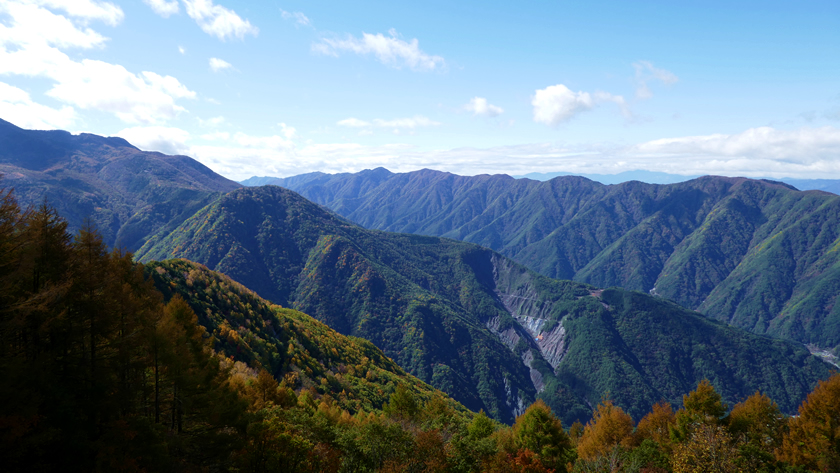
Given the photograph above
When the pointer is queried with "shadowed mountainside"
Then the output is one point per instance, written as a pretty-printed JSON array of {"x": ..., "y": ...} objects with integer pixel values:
[{"x": 129, "y": 194}]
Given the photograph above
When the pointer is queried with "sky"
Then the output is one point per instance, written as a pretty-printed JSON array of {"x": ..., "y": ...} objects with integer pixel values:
[{"x": 267, "y": 88}]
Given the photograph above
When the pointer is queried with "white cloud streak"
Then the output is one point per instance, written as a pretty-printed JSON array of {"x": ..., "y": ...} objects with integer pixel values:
[
  {"x": 411, "y": 123},
  {"x": 164, "y": 8},
  {"x": 219, "y": 21},
  {"x": 758, "y": 152},
  {"x": 804, "y": 146},
  {"x": 217, "y": 64},
  {"x": 646, "y": 72},
  {"x": 86, "y": 10},
  {"x": 557, "y": 104},
  {"x": 389, "y": 50},
  {"x": 480, "y": 107},
  {"x": 298, "y": 17},
  {"x": 167, "y": 140}
]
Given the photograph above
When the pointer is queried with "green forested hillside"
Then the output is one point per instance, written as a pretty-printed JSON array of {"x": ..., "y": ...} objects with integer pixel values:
[
  {"x": 290, "y": 345},
  {"x": 130, "y": 195},
  {"x": 475, "y": 324},
  {"x": 755, "y": 254}
]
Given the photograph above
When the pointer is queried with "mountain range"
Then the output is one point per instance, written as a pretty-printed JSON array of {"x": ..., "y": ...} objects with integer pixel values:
[
  {"x": 461, "y": 317},
  {"x": 484, "y": 329},
  {"x": 756, "y": 254}
]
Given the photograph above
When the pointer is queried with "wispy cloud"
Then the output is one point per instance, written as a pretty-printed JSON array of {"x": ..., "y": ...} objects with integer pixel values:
[
  {"x": 395, "y": 124},
  {"x": 389, "y": 50},
  {"x": 219, "y": 21},
  {"x": 167, "y": 140},
  {"x": 298, "y": 17},
  {"x": 105, "y": 12},
  {"x": 164, "y": 8},
  {"x": 217, "y": 65},
  {"x": 480, "y": 107},
  {"x": 803, "y": 146},
  {"x": 645, "y": 73}
]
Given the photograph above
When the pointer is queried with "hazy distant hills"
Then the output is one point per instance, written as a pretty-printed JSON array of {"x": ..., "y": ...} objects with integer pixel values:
[
  {"x": 757, "y": 254},
  {"x": 652, "y": 177},
  {"x": 474, "y": 323},
  {"x": 129, "y": 194}
]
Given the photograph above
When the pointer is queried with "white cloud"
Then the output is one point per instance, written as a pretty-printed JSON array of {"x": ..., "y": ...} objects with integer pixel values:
[
  {"x": 182, "y": 50},
  {"x": 32, "y": 25},
  {"x": 803, "y": 146},
  {"x": 300, "y": 18},
  {"x": 646, "y": 72},
  {"x": 480, "y": 107},
  {"x": 218, "y": 21},
  {"x": 411, "y": 123},
  {"x": 759, "y": 152},
  {"x": 273, "y": 142},
  {"x": 166, "y": 140},
  {"x": 31, "y": 43},
  {"x": 389, "y": 50},
  {"x": 164, "y": 8},
  {"x": 353, "y": 123},
  {"x": 217, "y": 64},
  {"x": 106, "y": 12},
  {"x": 17, "y": 107},
  {"x": 145, "y": 98},
  {"x": 216, "y": 135},
  {"x": 557, "y": 104},
  {"x": 215, "y": 121},
  {"x": 288, "y": 131}
]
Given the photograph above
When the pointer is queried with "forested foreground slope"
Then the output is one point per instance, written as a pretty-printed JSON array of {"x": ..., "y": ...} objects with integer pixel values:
[
  {"x": 129, "y": 194},
  {"x": 103, "y": 371},
  {"x": 757, "y": 254},
  {"x": 476, "y": 325},
  {"x": 290, "y": 345}
]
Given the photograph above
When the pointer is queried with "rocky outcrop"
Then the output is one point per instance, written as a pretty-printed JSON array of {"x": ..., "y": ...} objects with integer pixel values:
[{"x": 519, "y": 297}]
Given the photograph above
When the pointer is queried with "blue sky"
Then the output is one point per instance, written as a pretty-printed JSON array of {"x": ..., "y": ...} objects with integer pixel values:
[{"x": 283, "y": 88}]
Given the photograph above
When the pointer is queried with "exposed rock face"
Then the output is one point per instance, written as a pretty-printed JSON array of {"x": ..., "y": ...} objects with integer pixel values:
[{"x": 531, "y": 314}]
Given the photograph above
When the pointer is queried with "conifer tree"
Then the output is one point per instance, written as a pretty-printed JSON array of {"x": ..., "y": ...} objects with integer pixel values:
[
  {"x": 814, "y": 437},
  {"x": 610, "y": 427}
]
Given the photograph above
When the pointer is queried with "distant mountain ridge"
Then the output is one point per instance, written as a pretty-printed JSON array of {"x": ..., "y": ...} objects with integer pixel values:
[
  {"x": 648, "y": 177},
  {"x": 473, "y": 323},
  {"x": 129, "y": 194},
  {"x": 758, "y": 254}
]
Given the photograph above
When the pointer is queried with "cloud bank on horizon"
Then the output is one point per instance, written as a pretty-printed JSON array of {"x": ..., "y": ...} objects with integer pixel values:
[{"x": 463, "y": 88}]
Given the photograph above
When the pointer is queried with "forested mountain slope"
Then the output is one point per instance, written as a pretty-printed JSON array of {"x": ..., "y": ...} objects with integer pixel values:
[
  {"x": 129, "y": 194},
  {"x": 756, "y": 254},
  {"x": 475, "y": 324}
]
